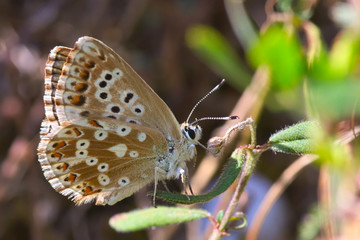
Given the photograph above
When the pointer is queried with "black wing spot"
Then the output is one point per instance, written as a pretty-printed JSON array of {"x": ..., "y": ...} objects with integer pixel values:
[
  {"x": 108, "y": 76},
  {"x": 128, "y": 97},
  {"x": 103, "y": 95},
  {"x": 115, "y": 109},
  {"x": 102, "y": 84},
  {"x": 84, "y": 113}
]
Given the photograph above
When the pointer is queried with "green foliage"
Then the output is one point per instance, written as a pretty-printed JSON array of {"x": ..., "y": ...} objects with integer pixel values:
[
  {"x": 150, "y": 217},
  {"x": 219, "y": 216},
  {"x": 334, "y": 78},
  {"x": 340, "y": 63},
  {"x": 297, "y": 138},
  {"x": 239, "y": 216},
  {"x": 280, "y": 50},
  {"x": 336, "y": 100},
  {"x": 331, "y": 153},
  {"x": 310, "y": 228},
  {"x": 345, "y": 54},
  {"x": 228, "y": 176},
  {"x": 211, "y": 47}
]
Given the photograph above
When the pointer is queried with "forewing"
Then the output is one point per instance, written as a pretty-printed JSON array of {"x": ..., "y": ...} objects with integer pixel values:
[
  {"x": 102, "y": 159},
  {"x": 92, "y": 80}
]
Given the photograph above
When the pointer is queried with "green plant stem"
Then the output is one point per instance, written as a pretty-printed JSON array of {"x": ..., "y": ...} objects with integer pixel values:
[
  {"x": 252, "y": 127},
  {"x": 249, "y": 158},
  {"x": 241, "y": 23},
  {"x": 248, "y": 166}
]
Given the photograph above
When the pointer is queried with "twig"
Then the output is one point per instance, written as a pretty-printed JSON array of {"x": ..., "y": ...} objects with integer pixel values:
[{"x": 249, "y": 159}]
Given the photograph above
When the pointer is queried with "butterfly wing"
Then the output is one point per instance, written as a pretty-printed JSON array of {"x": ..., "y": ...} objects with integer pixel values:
[
  {"x": 90, "y": 92},
  {"x": 100, "y": 159},
  {"x": 92, "y": 80}
]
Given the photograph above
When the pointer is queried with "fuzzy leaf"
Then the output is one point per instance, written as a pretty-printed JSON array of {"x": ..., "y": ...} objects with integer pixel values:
[
  {"x": 231, "y": 171},
  {"x": 295, "y": 139},
  {"x": 297, "y": 146},
  {"x": 150, "y": 217}
]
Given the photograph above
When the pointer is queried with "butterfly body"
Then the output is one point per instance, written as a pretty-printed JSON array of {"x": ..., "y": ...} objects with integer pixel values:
[{"x": 106, "y": 133}]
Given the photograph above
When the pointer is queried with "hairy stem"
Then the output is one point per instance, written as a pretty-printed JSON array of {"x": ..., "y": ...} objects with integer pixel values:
[{"x": 249, "y": 159}]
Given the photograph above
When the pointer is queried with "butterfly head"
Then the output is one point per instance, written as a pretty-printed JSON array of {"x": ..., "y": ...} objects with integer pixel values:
[{"x": 191, "y": 132}]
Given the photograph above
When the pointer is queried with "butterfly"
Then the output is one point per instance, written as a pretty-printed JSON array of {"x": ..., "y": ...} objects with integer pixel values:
[{"x": 106, "y": 133}]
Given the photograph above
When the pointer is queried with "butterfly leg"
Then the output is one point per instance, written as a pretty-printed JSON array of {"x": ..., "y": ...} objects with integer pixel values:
[
  {"x": 183, "y": 172},
  {"x": 165, "y": 185},
  {"x": 187, "y": 180},
  {"x": 155, "y": 185},
  {"x": 191, "y": 191}
]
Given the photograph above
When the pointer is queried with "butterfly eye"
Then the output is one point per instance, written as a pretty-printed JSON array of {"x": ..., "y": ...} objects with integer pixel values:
[{"x": 190, "y": 133}]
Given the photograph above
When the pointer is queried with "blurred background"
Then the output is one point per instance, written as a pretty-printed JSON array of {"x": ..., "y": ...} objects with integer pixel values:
[{"x": 278, "y": 58}]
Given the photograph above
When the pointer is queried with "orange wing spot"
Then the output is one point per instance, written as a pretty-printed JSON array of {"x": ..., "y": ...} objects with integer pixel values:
[
  {"x": 68, "y": 132},
  {"x": 95, "y": 123},
  {"x": 64, "y": 166},
  {"x": 89, "y": 190},
  {"x": 57, "y": 102},
  {"x": 78, "y": 100},
  {"x": 90, "y": 64},
  {"x": 56, "y": 155},
  {"x": 58, "y": 145},
  {"x": 64, "y": 72},
  {"x": 77, "y": 131},
  {"x": 71, "y": 178},
  {"x": 81, "y": 87},
  {"x": 84, "y": 75}
]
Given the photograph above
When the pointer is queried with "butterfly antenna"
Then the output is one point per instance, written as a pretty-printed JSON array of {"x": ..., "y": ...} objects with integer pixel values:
[
  {"x": 214, "y": 118},
  {"x": 213, "y": 90}
]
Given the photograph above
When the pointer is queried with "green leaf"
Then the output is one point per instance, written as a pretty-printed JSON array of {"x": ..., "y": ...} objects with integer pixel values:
[
  {"x": 239, "y": 216},
  {"x": 212, "y": 48},
  {"x": 297, "y": 146},
  {"x": 219, "y": 216},
  {"x": 315, "y": 220},
  {"x": 231, "y": 171},
  {"x": 340, "y": 63},
  {"x": 331, "y": 153},
  {"x": 150, "y": 217},
  {"x": 295, "y": 139},
  {"x": 337, "y": 100},
  {"x": 345, "y": 54},
  {"x": 280, "y": 50}
]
